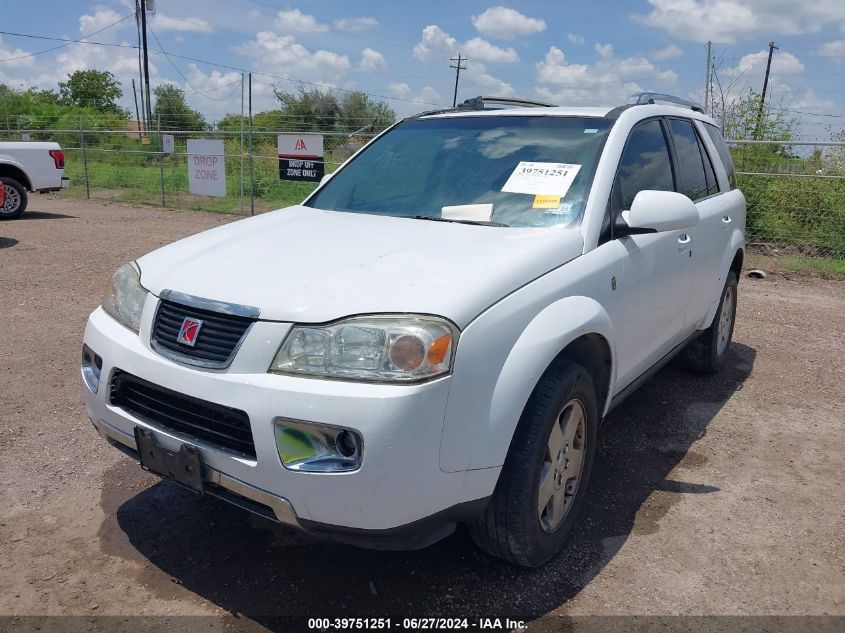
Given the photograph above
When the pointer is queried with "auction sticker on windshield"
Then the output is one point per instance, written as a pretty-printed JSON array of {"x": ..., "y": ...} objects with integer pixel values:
[{"x": 541, "y": 178}]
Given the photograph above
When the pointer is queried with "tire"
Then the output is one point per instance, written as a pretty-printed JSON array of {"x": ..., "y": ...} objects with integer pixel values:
[
  {"x": 706, "y": 354},
  {"x": 16, "y": 199},
  {"x": 513, "y": 526}
]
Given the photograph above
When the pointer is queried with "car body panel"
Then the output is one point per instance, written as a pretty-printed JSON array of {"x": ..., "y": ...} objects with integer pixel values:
[
  {"x": 312, "y": 266},
  {"x": 34, "y": 160}
]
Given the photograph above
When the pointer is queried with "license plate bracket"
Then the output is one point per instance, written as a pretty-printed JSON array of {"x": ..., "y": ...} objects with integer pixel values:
[{"x": 184, "y": 467}]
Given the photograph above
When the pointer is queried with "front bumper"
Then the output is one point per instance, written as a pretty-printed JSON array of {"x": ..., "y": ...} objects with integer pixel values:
[{"x": 399, "y": 487}]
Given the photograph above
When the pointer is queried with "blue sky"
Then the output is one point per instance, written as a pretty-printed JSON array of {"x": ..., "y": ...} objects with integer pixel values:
[{"x": 566, "y": 52}]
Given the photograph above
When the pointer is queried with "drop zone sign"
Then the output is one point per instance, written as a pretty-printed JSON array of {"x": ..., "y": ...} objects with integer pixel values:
[
  {"x": 301, "y": 157},
  {"x": 206, "y": 168}
]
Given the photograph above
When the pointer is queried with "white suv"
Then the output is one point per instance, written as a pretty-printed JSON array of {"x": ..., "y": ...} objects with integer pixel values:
[{"x": 435, "y": 334}]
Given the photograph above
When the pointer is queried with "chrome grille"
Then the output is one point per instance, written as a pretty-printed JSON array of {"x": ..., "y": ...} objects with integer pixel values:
[{"x": 218, "y": 339}]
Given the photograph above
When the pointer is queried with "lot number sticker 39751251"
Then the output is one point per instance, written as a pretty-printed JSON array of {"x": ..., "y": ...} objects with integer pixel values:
[{"x": 541, "y": 178}]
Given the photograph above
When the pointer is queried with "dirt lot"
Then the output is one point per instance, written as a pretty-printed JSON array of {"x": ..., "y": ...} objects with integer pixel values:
[{"x": 710, "y": 496}]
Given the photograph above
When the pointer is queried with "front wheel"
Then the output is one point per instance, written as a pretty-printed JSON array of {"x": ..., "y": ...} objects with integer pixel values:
[
  {"x": 544, "y": 479},
  {"x": 16, "y": 199},
  {"x": 706, "y": 354}
]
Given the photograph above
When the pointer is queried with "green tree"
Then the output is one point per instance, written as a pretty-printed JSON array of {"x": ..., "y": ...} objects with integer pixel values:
[
  {"x": 173, "y": 112},
  {"x": 359, "y": 112},
  {"x": 320, "y": 110},
  {"x": 94, "y": 89}
]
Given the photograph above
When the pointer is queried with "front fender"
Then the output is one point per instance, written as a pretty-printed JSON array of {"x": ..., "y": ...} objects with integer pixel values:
[{"x": 485, "y": 405}]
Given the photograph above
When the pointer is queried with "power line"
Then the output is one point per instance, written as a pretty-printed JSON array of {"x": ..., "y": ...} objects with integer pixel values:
[
  {"x": 218, "y": 65},
  {"x": 69, "y": 42}
]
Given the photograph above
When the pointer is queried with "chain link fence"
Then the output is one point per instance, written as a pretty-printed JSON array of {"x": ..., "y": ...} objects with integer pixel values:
[
  {"x": 128, "y": 166},
  {"x": 795, "y": 190}
]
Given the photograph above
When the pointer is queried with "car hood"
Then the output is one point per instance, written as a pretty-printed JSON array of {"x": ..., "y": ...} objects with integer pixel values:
[{"x": 310, "y": 266}]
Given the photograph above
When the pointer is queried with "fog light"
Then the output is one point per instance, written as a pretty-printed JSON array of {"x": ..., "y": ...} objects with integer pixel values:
[
  {"x": 92, "y": 365},
  {"x": 317, "y": 448}
]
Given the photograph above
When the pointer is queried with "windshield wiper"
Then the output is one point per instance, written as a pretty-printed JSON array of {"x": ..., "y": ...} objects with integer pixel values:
[{"x": 436, "y": 218}]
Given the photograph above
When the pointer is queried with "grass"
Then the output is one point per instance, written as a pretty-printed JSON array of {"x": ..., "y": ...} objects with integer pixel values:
[
  {"x": 824, "y": 267},
  {"x": 135, "y": 180}
]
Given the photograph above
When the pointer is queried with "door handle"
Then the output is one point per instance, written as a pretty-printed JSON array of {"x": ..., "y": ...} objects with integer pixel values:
[
  {"x": 726, "y": 219},
  {"x": 684, "y": 239}
]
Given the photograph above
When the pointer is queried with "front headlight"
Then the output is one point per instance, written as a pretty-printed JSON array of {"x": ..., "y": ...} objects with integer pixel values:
[
  {"x": 125, "y": 298},
  {"x": 375, "y": 348}
]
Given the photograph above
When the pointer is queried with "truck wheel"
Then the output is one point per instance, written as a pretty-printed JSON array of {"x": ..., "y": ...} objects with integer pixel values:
[
  {"x": 544, "y": 479},
  {"x": 706, "y": 354},
  {"x": 16, "y": 199}
]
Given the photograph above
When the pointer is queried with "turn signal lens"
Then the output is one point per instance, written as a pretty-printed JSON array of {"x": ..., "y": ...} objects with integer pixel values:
[{"x": 439, "y": 349}]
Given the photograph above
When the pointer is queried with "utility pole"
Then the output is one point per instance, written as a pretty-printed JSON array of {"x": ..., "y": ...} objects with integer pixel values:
[
  {"x": 772, "y": 49},
  {"x": 137, "y": 119},
  {"x": 142, "y": 120},
  {"x": 146, "y": 59},
  {"x": 709, "y": 77},
  {"x": 458, "y": 68}
]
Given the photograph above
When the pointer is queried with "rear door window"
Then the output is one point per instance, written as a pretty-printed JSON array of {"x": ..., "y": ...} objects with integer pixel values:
[
  {"x": 723, "y": 151},
  {"x": 693, "y": 176},
  {"x": 645, "y": 163}
]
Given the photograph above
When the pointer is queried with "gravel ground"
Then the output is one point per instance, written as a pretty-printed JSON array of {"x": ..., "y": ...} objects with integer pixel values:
[{"x": 711, "y": 496}]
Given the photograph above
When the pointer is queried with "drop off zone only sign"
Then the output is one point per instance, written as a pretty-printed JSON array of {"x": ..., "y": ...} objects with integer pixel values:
[
  {"x": 206, "y": 167},
  {"x": 301, "y": 157}
]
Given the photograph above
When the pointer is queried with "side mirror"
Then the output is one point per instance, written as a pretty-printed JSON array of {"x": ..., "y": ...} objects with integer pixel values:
[{"x": 658, "y": 211}]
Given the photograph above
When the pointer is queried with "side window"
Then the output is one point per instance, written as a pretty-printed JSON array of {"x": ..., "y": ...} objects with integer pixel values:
[
  {"x": 693, "y": 177},
  {"x": 645, "y": 163},
  {"x": 723, "y": 151}
]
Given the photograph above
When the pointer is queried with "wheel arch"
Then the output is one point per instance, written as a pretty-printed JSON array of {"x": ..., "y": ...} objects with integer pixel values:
[
  {"x": 10, "y": 170},
  {"x": 574, "y": 328}
]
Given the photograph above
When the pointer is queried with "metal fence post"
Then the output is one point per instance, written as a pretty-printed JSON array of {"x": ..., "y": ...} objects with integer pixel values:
[
  {"x": 251, "y": 165},
  {"x": 160, "y": 158},
  {"x": 84, "y": 160},
  {"x": 242, "y": 147}
]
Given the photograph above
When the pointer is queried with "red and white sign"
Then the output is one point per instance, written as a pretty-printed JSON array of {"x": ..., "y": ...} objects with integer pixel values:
[
  {"x": 206, "y": 167},
  {"x": 301, "y": 146},
  {"x": 301, "y": 157}
]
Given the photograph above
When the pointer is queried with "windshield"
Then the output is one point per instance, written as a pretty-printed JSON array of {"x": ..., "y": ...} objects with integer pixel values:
[{"x": 513, "y": 170}]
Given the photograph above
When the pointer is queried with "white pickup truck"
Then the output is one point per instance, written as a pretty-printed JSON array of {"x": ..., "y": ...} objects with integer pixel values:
[
  {"x": 434, "y": 335},
  {"x": 29, "y": 166}
]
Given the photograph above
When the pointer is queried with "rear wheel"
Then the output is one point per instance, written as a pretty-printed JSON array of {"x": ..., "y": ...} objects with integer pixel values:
[
  {"x": 544, "y": 478},
  {"x": 707, "y": 353},
  {"x": 16, "y": 199}
]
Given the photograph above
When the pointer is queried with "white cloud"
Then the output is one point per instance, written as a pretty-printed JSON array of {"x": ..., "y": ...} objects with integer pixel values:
[
  {"x": 162, "y": 22},
  {"x": 725, "y": 21},
  {"x": 835, "y": 50},
  {"x": 102, "y": 17},
  {"x": 400, "y": 89},
  {"x": 283, "y": 51},
  {"x": 435, "y": 43},
  {"x": 667, "y": 52},
  {"x": 296, "y": 21},
  {"x": 783, "y": 63},
  {"x": 481, "y": 50},
  {"x": 610, "y": 80},
  {"x": 477, "y": 81},
  {"x": 372, "y": 61},
  {"x": 505, "y": 23},
  {"x": 574, "y": 39},
  {"x": 429, "y": 96},
  {"x": 8, "y": 55},
  {"x": 355, "y": 24}
]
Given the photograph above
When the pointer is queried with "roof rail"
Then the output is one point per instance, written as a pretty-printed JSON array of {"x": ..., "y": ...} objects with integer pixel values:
[
  {"x": 653, "y": 97},
  {"x": 482, "y": 103}
]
